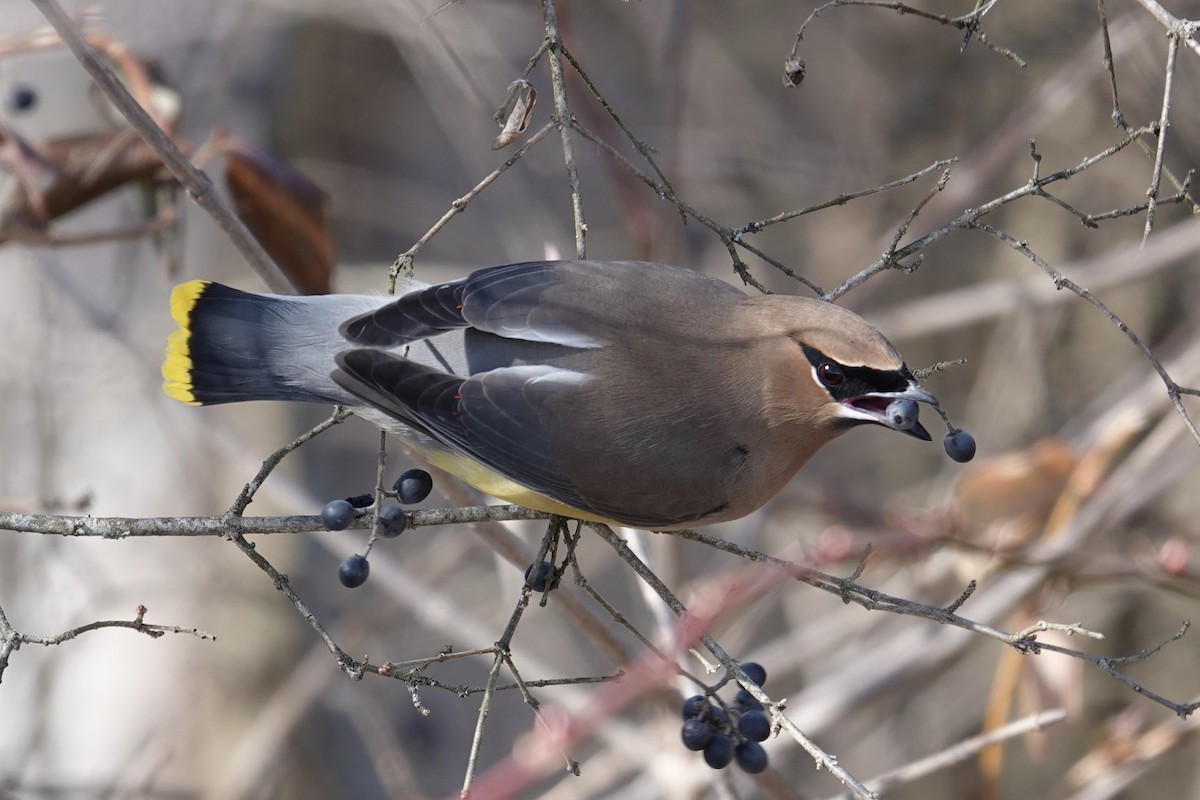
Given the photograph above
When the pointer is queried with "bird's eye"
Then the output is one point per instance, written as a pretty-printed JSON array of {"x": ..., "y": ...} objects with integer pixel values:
[
  {"x": 830, "y": 374},
  {"x": 21, "y": 99}
]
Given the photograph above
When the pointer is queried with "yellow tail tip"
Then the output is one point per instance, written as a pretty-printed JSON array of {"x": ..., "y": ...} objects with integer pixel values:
[
  {"x": 183, "y": 300},
  {"x": 177, "y": 365}
]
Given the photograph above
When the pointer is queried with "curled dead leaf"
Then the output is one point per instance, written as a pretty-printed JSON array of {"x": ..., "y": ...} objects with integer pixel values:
[{"x": 516, "y": 112}]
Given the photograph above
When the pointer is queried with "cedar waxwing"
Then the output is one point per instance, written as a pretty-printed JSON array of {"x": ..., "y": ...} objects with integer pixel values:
[{"x": 626, "y": 392}]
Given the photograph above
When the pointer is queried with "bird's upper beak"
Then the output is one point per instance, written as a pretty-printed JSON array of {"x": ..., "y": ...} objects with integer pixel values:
[{"x": 874, "y": 407}]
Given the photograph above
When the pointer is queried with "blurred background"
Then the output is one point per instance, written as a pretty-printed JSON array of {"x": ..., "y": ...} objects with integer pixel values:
[{"x": 1081, "y": 506}]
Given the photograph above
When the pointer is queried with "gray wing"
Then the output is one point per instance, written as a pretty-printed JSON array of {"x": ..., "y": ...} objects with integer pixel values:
[
  {"x": 499, "y": 418},
  {"x": 519, "y": 301}
]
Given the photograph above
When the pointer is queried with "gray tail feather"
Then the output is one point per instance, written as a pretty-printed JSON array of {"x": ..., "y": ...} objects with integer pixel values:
[{"x": 234, "y": 346}]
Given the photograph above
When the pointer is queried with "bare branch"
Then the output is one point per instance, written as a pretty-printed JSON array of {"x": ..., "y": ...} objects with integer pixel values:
[
  {"x": 1164, "y": 123},
  {"x": 563, "y": 120}
]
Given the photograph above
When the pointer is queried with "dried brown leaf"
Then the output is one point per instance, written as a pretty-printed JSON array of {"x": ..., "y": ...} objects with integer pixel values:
[
  {"x": 286, "y": 213},
  {"x": 522, "y": 96}
]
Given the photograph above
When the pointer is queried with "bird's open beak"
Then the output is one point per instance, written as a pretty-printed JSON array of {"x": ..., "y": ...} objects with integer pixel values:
[{"x": 895, "y": 410}]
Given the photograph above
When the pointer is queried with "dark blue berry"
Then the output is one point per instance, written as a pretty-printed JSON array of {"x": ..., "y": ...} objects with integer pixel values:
[
  {"x": 392, "y": 521},
  {"x": 715, "y": 716},
  {"x": 538, "y": 576},
  {"x": 21, "y": 99},
  {"x": 696, "y": 734},
  {"x": 754, "y": 726},
  {"x": 361, "y": 500},
  {"x": 747, "y": 701},
  {"x": 694, "y": 706},
  {"x": 719, "y": 751},
  {"x": 353, "y": 571},
  {"x": 751, "y": 757},
  {"x": 902, "y": 413},
  {"x": 755, "y": 672},
  {"x": 337, "y": 515},
  {"x": 959, "y": 445},
  {"x": 413, "y": 486}
]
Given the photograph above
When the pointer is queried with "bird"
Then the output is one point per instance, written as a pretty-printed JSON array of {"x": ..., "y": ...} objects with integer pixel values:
[{"x": 623, "y": 392}]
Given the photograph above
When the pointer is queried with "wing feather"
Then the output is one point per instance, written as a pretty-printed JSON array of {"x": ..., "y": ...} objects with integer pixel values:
[
  {"x": 530, "y": 301},
  {"x": 498, "y": 418}
]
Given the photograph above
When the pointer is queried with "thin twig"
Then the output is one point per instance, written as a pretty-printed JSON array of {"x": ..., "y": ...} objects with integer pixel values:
[
  {"x": 563, "y": 119},
  {"x": 1164, "y": 122},
  {"x": 11, "y": 640},
  {"x": 502, "y": 656},
  {"x": 641, "y": 147},
  {"x": 969, "y": 22},
  {"x": 1174, "y": 390},
  {"x": 1109, "y": 666},
  {"x": 484, "y": 709},
  {"x": 377, "y": 506},
  {"x": 246, "y": 497},
  {"x": 403, "y": 262},
  {"x": 572, "y": 764},
  {"x": 346, "y": 663},
  {"x": 726, "y": 234},
  {"x": 1118, "y": 116},
  {"x": 841, "y": 199},
  {"x": 624, "y": 622}
]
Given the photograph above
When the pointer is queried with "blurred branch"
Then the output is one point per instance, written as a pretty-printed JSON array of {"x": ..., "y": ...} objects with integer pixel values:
[
  {"x": 960, "y": 752},
  {"x": 194, "y": 180},
  {"x": 1123, "y": 756}
]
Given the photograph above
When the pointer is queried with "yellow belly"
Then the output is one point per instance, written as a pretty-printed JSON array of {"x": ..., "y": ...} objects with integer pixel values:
[{"x": 495, "y": 484}]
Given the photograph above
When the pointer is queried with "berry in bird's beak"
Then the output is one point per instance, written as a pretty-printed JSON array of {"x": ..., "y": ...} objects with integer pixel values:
[{"x": 895, "y": 410}]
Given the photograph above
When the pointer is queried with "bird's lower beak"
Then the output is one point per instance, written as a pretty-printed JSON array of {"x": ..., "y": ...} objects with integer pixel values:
[{"x": 895, "y": 410}]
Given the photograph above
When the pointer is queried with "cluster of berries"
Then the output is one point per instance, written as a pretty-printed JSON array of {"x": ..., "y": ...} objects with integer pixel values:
[
  {"x": 337, "y": 515},
  {"x": 729, "y": 733}
]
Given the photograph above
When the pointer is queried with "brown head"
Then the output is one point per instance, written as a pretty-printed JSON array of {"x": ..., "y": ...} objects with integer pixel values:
[{"x": 831, "y": 370}]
